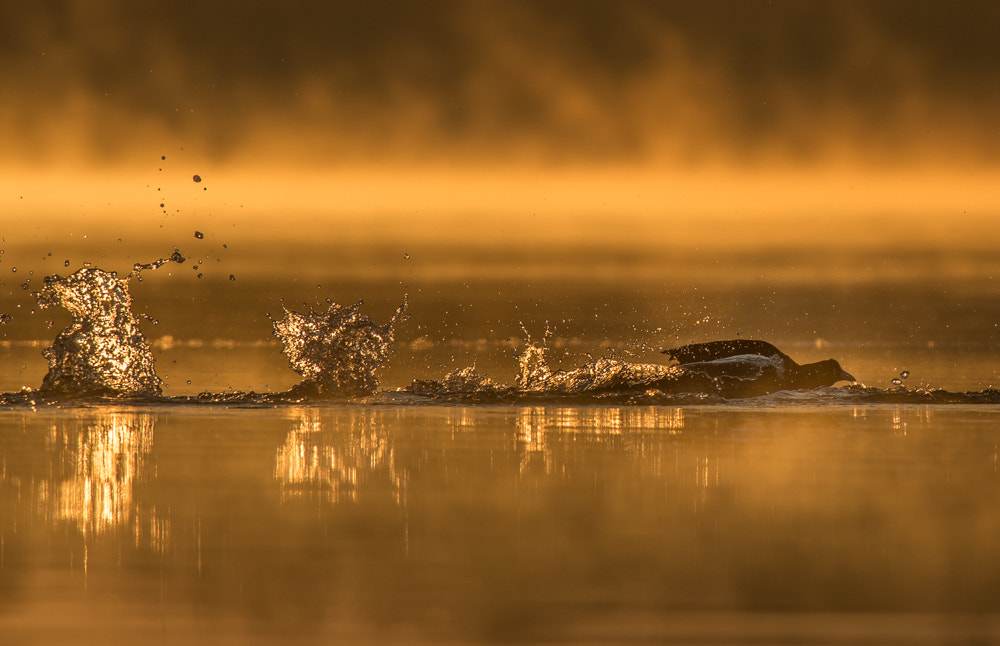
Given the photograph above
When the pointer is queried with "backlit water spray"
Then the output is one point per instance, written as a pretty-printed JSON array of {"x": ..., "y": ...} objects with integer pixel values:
[
  {"x": 103, "y": 351},
  {"x": 337, "y": 351}
]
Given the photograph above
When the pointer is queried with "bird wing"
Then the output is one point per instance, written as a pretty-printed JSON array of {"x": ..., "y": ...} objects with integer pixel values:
[{"x": 714, "y": 350}]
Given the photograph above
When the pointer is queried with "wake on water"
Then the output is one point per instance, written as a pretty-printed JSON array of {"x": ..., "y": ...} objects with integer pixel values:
[{"x": 103, "y": 355}]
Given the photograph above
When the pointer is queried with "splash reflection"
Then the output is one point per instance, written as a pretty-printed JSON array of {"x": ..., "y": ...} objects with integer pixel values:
[
  {"x": 337, "y": 458},
  {"x": 534, "y": 425},
  {"x": 96, "y": 466},
  {"x": 498, "y": 524}
]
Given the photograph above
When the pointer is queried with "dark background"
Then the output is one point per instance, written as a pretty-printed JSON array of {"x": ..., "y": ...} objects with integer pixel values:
[{"x": 744, "y": 82}]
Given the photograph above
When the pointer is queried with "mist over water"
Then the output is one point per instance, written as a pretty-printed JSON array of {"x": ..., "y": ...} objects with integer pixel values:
[{"x": 553, "y": 81}]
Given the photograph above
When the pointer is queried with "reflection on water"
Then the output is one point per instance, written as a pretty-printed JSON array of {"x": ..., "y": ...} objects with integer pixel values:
[
  {"x": 107, "y": 458},
  {"x": 478, "y": 524},
  {"x": 535, "y": 424},
  {"x": 336, "y": 462},
  {"x": 90, "y": 467}
]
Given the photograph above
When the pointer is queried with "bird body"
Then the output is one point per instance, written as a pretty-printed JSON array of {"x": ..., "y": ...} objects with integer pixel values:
[{"x": 747, "y": 368}]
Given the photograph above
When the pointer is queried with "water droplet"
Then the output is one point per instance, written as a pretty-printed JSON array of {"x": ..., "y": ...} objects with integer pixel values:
[
  {"x": 904, "y": 374},
  {"x": 897, "y": 382},
  {"x": 161, "y": 205},
  {"x": 13, "y": 270},
  {"x": 199, "y": 275},
  {"x": 26, "y": 285},
  {"x": 197, "y": 178},
  {"x": 66, "y": 263},
  {"x": 231, "y": 277},
  {"x": 199, "y": 235},
  {"x": 406, "y": 256},
  {"x": 189, "y": 382},
  {"x": 164, "y": 157}
]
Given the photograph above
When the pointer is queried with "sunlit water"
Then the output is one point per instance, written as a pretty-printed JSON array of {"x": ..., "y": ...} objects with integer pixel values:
[
  {"x": 454, "y": 476},
  {"x": 575, "y": 524}
]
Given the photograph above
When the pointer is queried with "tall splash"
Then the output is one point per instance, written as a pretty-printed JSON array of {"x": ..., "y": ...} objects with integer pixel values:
[
  {"x": 103, "y": 351},
  {"x": 337, "y": 351}
]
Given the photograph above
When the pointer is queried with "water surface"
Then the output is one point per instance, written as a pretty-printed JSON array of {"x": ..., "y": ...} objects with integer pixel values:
[
  {"x": 525, "y": 524},
  {"x": 863, "y": 513}
]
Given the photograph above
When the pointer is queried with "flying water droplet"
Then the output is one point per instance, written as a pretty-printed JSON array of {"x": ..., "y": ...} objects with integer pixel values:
[{"x": 904, "y": 374}]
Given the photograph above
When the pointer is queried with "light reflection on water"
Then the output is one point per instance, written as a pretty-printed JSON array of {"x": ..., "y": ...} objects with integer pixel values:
[
  {"x": 94, "y": 465},
  {"x": 107, "y": 458},
  {"x": 335, "y": 462},
  {"x": 524, "y": 524},
  {"x": 535, "y": 424}
]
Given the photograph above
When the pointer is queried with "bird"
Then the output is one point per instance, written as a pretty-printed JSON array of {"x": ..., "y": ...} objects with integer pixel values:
[{"x": 748, "y": 368}]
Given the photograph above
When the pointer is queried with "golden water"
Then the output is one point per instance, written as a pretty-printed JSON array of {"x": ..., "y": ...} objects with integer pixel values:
[{"x": 585, "y": 524}]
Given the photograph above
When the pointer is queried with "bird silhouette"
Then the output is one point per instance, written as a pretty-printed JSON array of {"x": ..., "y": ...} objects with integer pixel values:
[{"x": 748, "y": 368}]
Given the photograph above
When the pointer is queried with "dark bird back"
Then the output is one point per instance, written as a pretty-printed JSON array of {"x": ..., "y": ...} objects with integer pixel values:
[
  {"x": 747, "y": 368},
  {"x": 721, "y": 349}
]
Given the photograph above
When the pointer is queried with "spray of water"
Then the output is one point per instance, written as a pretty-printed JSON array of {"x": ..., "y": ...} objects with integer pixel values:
[
  {"x": 103, "y": 351},
  {"x": 338, "y": 351}
]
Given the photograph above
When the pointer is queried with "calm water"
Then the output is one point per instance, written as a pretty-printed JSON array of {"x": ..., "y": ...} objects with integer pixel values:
[{"x": 585, "y": 524}]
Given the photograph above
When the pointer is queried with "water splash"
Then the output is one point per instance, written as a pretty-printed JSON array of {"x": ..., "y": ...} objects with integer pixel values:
[
  {"x": 139, "y": 267},
  {"x": 604, "y": 375},
  {"x": 604, "y": 378},
  {"x": 464, "y": 383},
  {"x": 338, "y": 351},
  {"x": 103, "y": 351}
]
